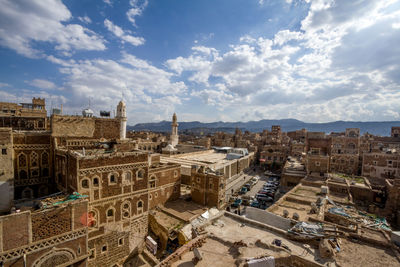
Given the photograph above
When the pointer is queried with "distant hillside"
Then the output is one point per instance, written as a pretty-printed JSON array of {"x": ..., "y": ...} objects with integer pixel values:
[{"x": 376, "y": 128}]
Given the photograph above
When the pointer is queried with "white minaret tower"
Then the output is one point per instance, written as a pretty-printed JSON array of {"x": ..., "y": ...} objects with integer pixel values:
[
  {"x": 121, "y": 114},
  {"x": 174, "y": 132}
]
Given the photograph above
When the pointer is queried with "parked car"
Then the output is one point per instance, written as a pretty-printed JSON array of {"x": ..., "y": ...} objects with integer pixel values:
[
  {"x": 255, "y": 204},
  {"x": 264, "y": 198},
  {"x": 248, "y": 186},
  {"x": 268, "y": 189},
  {"x": 237, "y": 203},
  {"x": 243, "y": 190},
  {"x": 268, "y": 193}
]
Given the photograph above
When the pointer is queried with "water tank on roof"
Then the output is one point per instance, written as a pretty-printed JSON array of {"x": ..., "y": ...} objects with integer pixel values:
[
  {"x": 104, "y": 113},
  {"x": 87, "y": 112}
]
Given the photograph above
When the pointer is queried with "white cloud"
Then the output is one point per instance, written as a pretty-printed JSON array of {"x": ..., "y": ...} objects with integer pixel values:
[
  {"x": 147, "y": 89},
  {"x": 285, "y": 36},
  {"x": 198, "y": 63},
  {"x": 42, "y": 84},
  {"x": 26, "y": 22},
  {"x": 108, "y": 2},
  {"x": 137, "y": 8},
  {"x": 117, "y": 31},
  {"x": 342, "y": 65},
  {"x": 85, "y": 19}
]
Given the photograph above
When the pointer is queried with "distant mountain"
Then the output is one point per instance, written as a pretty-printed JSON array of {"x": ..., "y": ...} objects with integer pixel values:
[{"x": 376, "y": 127}]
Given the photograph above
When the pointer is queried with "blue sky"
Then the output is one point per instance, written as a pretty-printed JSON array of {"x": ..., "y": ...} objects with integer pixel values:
[{"x": 207, "y": 60}]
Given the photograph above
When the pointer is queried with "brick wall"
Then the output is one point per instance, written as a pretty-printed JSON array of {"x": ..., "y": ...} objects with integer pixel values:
[{"x": 51, "y": 222}]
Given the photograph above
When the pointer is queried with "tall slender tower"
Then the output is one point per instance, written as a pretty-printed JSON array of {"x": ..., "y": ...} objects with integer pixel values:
[
  {"x": 121, "y": 114},
  {"x": 174, "y": 132}
]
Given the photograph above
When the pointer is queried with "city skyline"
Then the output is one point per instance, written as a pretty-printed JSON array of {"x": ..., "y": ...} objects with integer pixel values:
[{"x": 209, "y": 61}]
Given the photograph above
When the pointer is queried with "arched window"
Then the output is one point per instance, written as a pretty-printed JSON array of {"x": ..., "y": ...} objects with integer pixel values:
[
  {"x": 45, "y": 158},
  {"x": 23, "y": 175},
  {"x": 140, "y": 207},
  {"x": 34, "y": 159},
  {"x": 85, "y": 183},
  {"x": 126, "y": 209},
  {"x": 152, "y": 181},
  {"x": 92, "y": 218},
  {"x": 95, "y": 182},
  {"x": 110, "y": 213},
  {"x": 112, "y": 178},
  {"x": 140, "y": 174},
  {"x": 22, "y": 160},
  {"x": 127, "y": 177}
]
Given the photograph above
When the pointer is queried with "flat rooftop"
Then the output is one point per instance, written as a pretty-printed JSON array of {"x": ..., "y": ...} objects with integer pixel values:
[
  {"x": 184, "y": 210},
  {"x": 231, "y": 241},
  {"x": 208, "y": 158}
]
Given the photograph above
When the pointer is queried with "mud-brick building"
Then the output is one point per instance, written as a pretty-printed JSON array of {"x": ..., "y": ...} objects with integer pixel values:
[
  {"x": 47, "y": 237},
  {"x": 25, "y": 165},
  {"x": 381, "y": 165},
  {"x": 24, "y": 116},
  {"x": 345, "y": 152},
  {"x": 208, "y": 187},
  {"x": 33, "y": 163},
  {"x": 122, "y": 187}
]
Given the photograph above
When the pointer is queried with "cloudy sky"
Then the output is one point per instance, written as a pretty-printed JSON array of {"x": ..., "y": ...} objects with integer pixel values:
[{"x": 207, "y": 60}]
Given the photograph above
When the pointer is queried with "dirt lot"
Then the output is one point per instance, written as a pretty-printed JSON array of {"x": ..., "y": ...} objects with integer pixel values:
[{"x": 359, "y": 254}]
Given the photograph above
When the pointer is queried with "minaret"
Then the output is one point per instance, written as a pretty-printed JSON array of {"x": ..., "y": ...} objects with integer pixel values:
[
  {"x": 121, "y": 114},
  {"x": 174, "y": 132}
]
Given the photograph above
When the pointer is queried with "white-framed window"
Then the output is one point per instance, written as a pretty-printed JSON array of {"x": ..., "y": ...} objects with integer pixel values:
[
  {"x": 140, "y": 174},
  {"x": 317, "y": 163},
  {"x": 85, "y": 183},
  {"x": 113, "y": 178},
  {"x": 140, "y": 207},
  {"x": 126, "y": 209},
  {"x": 96, "y": 181},
  {"x": 110, "y": 214},
  {"x": 152, "y": 181},
  {"x": 93, "y": 218},
  {"x": 127, "y": 177}
]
